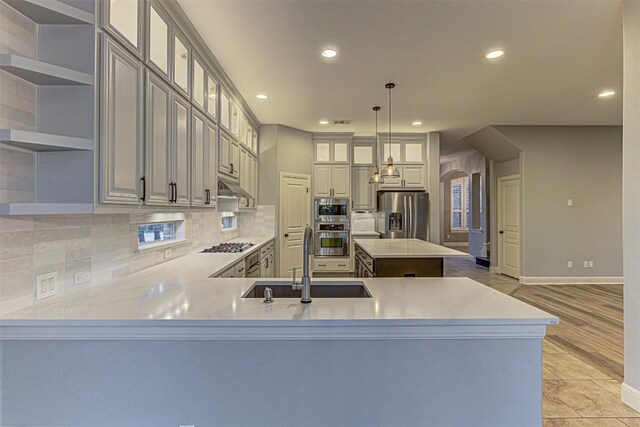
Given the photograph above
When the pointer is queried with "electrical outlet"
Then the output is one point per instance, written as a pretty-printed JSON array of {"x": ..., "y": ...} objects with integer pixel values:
[
  {"x": 80, "y": 277},
  {"x": 46, "y": 285},
  {"x": 569, "y": 202},
  {"x": 167, "y": 253},
  {"x": 590, "y": 264},
  {"x": 569, "y": 264},
  {"x": 586, "y": 264}
]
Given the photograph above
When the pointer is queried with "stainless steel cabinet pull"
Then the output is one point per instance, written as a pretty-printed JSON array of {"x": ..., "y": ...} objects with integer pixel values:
[{"x": 144, "y": 188}]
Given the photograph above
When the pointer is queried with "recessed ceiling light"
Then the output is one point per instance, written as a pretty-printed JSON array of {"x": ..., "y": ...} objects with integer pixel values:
[
  {"x": 262, "y": 96},
  {"x": 329, "y": 53},
  {"x": 324, "y": 122},
  {"x": 606, "y": 93},
  {"x": 496, "y": 53},
  {"x": 416, "y": 123}
]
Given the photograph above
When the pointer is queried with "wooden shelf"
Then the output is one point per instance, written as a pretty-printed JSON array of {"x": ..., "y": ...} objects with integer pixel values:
[
  {"x": 51, "y": 12},
  {"x": 37, "y": 141},
  {"x": 41, "y": 73},
  {"x": 45, "y": 208}
]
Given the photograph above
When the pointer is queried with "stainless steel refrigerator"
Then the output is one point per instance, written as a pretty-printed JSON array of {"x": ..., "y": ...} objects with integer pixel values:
[{"x": 403, "y": 215}]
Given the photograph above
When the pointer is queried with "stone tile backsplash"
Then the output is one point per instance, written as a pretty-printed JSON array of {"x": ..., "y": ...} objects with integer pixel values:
[{"x": 107, "y": 245}]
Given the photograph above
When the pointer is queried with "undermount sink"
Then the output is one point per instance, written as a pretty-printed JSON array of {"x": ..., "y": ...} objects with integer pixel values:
[{"x": 319, "y": 289}]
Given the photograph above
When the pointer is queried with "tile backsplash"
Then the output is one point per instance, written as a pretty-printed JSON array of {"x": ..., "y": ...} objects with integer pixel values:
[{"x": 106, "y": 245}]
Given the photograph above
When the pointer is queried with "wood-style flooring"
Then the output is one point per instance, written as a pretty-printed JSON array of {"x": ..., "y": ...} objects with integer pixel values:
[{"x": 583, "y": 355}]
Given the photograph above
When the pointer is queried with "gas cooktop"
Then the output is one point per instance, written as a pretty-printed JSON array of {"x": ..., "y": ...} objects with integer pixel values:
[{"x": 229, "y": 247}]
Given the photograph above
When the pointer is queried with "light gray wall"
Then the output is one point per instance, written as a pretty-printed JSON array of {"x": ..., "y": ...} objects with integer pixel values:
[
  {"x": 282, "y": 149},
  {"x": 631, "y": 182},
  {"x": 582, "y": 163}
]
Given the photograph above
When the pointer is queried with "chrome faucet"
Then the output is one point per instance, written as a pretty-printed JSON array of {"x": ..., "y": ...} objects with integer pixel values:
[{"x": 305, "y": 284}]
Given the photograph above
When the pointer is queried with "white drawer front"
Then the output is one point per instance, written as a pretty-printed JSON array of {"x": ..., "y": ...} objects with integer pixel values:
[{"x": 320, "y": 264}]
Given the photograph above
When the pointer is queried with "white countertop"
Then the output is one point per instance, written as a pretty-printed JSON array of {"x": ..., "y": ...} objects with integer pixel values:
[
  {"x": 406, "y": 248},
  {"x": 364, "y": 233},
  {"x": 177, "y": 301}
]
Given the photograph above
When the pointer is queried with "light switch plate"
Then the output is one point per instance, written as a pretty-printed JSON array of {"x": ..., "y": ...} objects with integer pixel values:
[
  {"x": 586, "y": 264},
  {"x": 46, "y": 285},
  {"x": 570, "y": 202},
  {"x": 569, "y": 264},
  {"x": 590, "y": 264}
]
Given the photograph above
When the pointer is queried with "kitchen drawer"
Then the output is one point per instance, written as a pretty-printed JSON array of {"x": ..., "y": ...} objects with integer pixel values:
[
  {"x": 240, "y": 269},
  {"x": 331, "y": 264},
  {"x": 264, "y": 251}
]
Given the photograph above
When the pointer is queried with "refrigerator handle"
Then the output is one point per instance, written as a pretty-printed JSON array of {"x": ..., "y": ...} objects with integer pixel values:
[
  {"x": 411, "y": 217},
  {"x": 405, "y": 219}
]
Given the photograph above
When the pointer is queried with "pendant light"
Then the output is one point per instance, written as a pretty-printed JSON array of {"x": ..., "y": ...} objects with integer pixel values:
[
  {"x": 390, "y": 171},
  {"x": 376, "y": 178}
]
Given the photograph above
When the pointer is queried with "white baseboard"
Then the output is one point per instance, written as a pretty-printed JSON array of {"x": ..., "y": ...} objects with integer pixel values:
[
  {"x": 15, "y": 304},
  {"x": 495, "y": 270},
  {"x": 631, "y": 396},
  {"x": 455, "y": 244},
  {"x": 600, "y": 280}
]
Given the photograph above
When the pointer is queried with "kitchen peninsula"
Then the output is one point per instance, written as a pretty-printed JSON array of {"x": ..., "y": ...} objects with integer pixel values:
[
  {"x": 171, "y": 346},
  {"x": 401, "y": 258}
]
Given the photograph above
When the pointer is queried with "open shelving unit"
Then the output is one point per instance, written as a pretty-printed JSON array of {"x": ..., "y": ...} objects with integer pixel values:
[
  {"x": 63, "y": 139},
  {"x": 41, "y": 73}
]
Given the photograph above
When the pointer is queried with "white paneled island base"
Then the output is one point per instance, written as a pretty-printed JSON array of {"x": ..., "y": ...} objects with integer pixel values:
[{"x": 434, "y": 351}]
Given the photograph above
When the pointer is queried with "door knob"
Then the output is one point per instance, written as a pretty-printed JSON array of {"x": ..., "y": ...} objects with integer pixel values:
[
  {"x": 501, "y": 232},
  {"x": 286, "y": 234}
]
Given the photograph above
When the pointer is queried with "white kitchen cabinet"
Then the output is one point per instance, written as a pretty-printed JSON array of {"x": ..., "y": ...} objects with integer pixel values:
[
  {"x": 199, "y": 174},
  {"x": 158, "y": 40},
  {"x": 123, "y": 20},
  {"x": 158, "y": 152},
  {"x": 363, "y": 194},
  {"x": 212, "y": 96},
  {"x": 331, "y": 152},
  {"x": 225, "y": 110},
  {"x": 403, "y": 152},
  {"x": 244, "y": 169},
  {"x": 122, "y": 130},
  {"x": 332, "y": 181},
  {"x": 180, "y": 63},
  {"x": 199, "y": 90},
  {"x": 234, "y": 116},
  {"x": 204, "y": 147},
  {"x": 253, "y": 167},
  {"x": 411, "y": 177},
  {"x": 242, "y": 130},
  {"x": 181, "y": 152},
  {"x": 211, "y": 153},
  {"x": 248, "y": 177},
  {"x": 229, "y": 154},
  {"x": 363, "y": 155},
  {"x": 254, "y": 144}
]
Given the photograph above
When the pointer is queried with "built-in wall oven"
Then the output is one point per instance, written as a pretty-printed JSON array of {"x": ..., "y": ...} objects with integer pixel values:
[
  {"x": 331, "y": 239},
  {"x": 331, "y": 210}
]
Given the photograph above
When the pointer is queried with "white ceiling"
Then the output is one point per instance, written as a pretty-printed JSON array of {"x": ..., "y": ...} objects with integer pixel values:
[{"x": 559, "y": 56}]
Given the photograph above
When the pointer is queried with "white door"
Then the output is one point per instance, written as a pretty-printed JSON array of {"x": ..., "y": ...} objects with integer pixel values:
[
  {"x": 295, "y": 205},
  {"x": 509, "y": 225}
]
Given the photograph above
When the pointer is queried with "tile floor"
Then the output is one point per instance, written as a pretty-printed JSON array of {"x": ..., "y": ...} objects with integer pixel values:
[{"x": 575, "y": 393}]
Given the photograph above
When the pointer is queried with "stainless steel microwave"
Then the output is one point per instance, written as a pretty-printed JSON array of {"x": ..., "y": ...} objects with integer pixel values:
[{"x": 331, "y": 210}]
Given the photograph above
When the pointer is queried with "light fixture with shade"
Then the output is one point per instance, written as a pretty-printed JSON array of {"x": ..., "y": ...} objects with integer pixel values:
[
  {"x": 376, "y": 178},
  {"x": 390, "y": 171}
]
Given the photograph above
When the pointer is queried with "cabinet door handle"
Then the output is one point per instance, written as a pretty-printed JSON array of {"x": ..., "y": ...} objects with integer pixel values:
[
  {"x": 206, "y": 196},
  {"x": 144, "y": 188},
  {"x": 231, "y": 167}
]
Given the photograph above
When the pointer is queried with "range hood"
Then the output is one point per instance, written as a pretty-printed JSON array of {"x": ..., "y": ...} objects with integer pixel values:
[{"x": 228, "y": 188}]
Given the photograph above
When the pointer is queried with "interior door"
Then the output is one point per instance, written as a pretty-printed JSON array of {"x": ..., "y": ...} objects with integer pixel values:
[
  {"x": 509, "y": 226},
  {"x": 295, "y": 205}
]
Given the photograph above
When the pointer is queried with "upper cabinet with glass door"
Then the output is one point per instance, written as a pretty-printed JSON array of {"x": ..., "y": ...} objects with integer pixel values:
[
  {"x": 212, "y": 96},
  {"x": 123, "y": 20},
  {"x": 158, "y": 44},
  {"x": 199, "y": 83},
  {"x": 235, "y": 120},
  {"x": 225, "y": 109},
  {"x": 363, "y": 151},
  {"x": 180, "y": 63},
  {"x": 331, "y": 151}
]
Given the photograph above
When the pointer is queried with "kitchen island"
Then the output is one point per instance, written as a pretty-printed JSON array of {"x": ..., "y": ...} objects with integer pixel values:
[
  {"x": 165, "y": 347},
  {"x": 401, "y": 258}
]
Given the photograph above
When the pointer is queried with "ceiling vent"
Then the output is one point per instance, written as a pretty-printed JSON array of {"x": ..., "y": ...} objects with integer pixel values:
[{"x": 342, "y": 122}]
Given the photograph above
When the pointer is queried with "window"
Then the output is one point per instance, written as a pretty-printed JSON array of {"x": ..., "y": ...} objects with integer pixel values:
[
  {"x": 459, "y": 204},
  {"x": 228, "y": 221},
  {"x": 150, "y": 234},
  {"x": 476, "y": 190}
]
